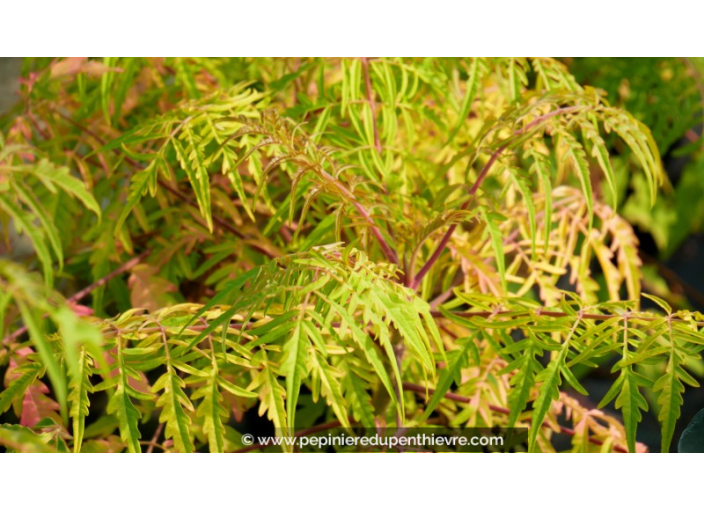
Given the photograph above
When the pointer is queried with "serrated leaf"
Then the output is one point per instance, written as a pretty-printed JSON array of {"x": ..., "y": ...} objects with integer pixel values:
[
  {"x": 212, "y": 412},
  {"x": 192, "y": 162},
  {"x": 140, "y": 184},
  {"x": 497, "y": 242},
  {"x": 357, "y": 397},
  {"x": 79, "y": 388},
  {"x": 22, "y": 377},
  {"x": 670, "y": 400},
  {"x": 25, "y": 223},
  {"x": 121, "y": 405},
  {"x": 457, "y": 361},
  {"x": 549, "y": 391},
  {"x": 294, "y": 368},
  {"x": 271, "y": 396},
  {"x": 330, "y": 387},
  {"x": 61, "y": 176},
  {"x": 174, "y": 403},
  {"x": 46, "y": 352}
]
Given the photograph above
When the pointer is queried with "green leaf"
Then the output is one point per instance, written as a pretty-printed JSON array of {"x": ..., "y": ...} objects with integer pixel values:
[
  {"x": 474, "y": 75},
  {"x": 549, "y": 391},
  {"x": 355, "y": 392},
  {"x": 235, "y": 390},
  {"x": 52, "y": 175},
  {"x": 75, "y": 333},
  {"x": 120, "y": 404},
  {"x": 229, "y": 169},
  {"x": 576, "y": 154},
  {"x": 172, "y": 401},
  {"x": 406, "y": 320},
  {"x": 367, "y": 346},
  {"x": 497, "y": 242},
  {"x": 50, "y": 229},
  {"x": 22, "y": 439},
  {"x": 25, "y": 223},
  {"x": 80, "y": 387},
  {"x": 330, "y": 387},
  {"x": 46, "y": 353},
  {"x": 629, "y": 400},
  {"x": 457, "y": 361},
  {"x": 516, "y": 79},
  {"x": 212, "y": 411},
  {"x": 271, "y": 396},
  {"x": 601, "y": 154},
  {"x": 670, "y": 401},
  {"x": 524, "y": 186},
  {"x": 141, "y": 183},
  {"x": 294, "y": 368},
  {"x": 18, "y": 385},
  {"x": 523, "y": 381},
  {"x": 192, "y": 161}
]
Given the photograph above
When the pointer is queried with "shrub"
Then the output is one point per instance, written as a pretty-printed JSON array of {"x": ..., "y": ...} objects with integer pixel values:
[{"x": 354, "y": 241}]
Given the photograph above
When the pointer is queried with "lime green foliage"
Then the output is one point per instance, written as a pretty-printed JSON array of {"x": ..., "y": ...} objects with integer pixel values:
[
  {"x": 666, "y": 95},
  {"x": 337, "y": 241}
]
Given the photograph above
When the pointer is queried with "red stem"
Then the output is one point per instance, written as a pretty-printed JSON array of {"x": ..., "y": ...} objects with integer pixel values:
[
  {"x": 388, "y": 250},
  {"x": 473, "y": 190}
]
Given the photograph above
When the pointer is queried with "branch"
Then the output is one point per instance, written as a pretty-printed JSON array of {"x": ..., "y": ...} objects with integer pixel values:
[
  {"x": 105, "y": 279},
  {"x": 421, "y": 390},
  {"x": 473, "y": 190},
  {"x": 388, "y": 250},
  {"x": 154, "y": 442}
]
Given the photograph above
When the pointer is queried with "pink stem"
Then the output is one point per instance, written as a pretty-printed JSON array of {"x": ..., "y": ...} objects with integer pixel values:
[{"x": 473, "y": 190}]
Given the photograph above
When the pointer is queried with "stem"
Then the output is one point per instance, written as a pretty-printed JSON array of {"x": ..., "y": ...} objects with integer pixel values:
[
  {"x": 388, "y": 250},
  {"x": 421, "y": 390},
  {"x": 105, "y": 279},
  {"x": 155, "y": 438},
  {"x": 473, "y": 190}
]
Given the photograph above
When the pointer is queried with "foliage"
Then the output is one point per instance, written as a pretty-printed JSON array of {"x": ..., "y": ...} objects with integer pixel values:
[
  {"x": 323, "y": 241},
  {"x": 665, "y": 94}
]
